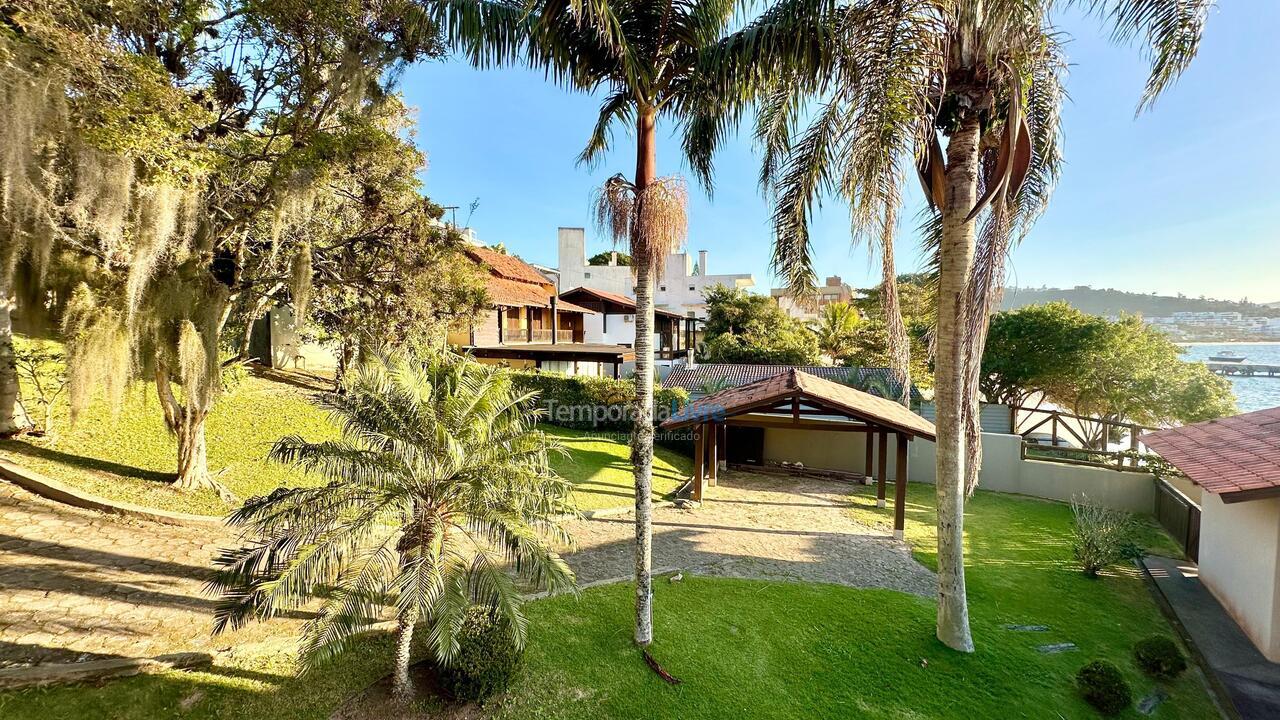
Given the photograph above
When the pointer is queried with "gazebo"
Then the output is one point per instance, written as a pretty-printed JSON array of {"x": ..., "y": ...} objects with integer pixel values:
[{"x": 796, "y": 400}]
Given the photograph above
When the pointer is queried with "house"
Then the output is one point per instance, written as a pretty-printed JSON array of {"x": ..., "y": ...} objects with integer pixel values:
[
  {"x": 1235, "y": 461},
  {"x": 614, "y": 318},
  {"x": 678, "y": 289},
  {"x": 834, "y": 290},
  {"x": 529, "y": 327}
]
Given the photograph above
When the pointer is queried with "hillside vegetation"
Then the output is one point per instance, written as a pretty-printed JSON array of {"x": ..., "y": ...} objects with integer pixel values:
[{"x": 1097, "y": 301}]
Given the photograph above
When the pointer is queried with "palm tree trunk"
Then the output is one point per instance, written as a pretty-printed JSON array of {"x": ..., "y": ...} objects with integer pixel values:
[
  {"x": 956, "y": 261},
  {"x": 12, "y": 417},
  {"x": 899, "y": 343},
  {"x": 642, "y": 429},
  {"x": 401, "y": 684}
]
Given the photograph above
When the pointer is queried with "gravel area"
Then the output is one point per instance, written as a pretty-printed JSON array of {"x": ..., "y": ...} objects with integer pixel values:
[{"x": 758, "y": 526}]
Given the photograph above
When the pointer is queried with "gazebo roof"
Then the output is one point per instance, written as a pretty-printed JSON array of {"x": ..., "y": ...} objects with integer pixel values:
[
  {"x": 1236, "y": 458},
  {"x": 797, "y": 386}
]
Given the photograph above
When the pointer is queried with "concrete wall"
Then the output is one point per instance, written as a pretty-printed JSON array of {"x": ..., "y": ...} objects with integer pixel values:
[
  {"x": 1004, "y": 470},
  {"x": 827, "y": 450},
  {"x": 1239, "y": 546}
]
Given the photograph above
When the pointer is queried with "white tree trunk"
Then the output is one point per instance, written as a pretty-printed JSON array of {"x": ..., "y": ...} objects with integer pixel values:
[
  {"x": 956, "y": 261},
  {"x": 12, "y": 417}
]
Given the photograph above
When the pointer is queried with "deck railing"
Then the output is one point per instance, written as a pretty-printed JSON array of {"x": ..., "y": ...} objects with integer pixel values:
[{"x": 1058, "y": 436}]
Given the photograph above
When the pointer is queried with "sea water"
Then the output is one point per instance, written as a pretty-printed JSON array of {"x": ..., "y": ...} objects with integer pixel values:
[{"x": 1252, "y": 393}]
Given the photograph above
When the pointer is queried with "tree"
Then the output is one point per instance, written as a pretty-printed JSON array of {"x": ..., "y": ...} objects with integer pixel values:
[
  {"x": 742, "y": 327},
  {"x": 872, "y": 346},
  {"x": 1037, "y": 349},
  {"x": 605, "y": 258},
  {"x": 1119, "y": 371},
  {"x": 836, "y": 327},
  {"x": 439, "y": 496},
  {"x": 184, "y": 178},
  {"x": 988, "y": 76},
  {"x": 669, "y": 59}
]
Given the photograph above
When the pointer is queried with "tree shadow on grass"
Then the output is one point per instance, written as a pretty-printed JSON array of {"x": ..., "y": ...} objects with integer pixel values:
[{"x": 84, "y": 462}]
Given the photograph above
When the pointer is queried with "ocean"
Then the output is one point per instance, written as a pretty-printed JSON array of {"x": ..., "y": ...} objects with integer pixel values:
[{"x": 1255, "y": 393}]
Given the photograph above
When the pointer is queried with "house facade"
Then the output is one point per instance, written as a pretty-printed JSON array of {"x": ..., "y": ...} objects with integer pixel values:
[
  {"x": 834, "y": 290},
  {"x": 678, "y": 289},
  {"x": 614, "y": 322},
  {"x": 529, "y": 327}
]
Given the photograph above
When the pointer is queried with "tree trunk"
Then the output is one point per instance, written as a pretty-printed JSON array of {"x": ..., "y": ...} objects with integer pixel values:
[
  {"x": 401, "y": 683},
  {"x": 12, "y": 417},
  {"x": 186, "y": 422},
  {"x": 956, "y": 261},
  {"x": 642, "y": 430},
  {"x": 899, "y": 343}
]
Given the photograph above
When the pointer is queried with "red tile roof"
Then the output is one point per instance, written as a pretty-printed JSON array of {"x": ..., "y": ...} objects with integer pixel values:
[
  {"x": 795, "y": 383},
  {"x": 508, "y": 266},
  {"x": 1237, "y": 458}
]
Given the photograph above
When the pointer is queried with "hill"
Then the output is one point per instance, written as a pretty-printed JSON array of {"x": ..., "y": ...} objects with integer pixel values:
[{"x": 1114, "y": 302}]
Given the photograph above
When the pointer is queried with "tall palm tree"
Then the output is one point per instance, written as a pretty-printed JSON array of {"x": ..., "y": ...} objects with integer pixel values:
[
  {"x": 670, "y": 59},
  {"x": 988, "y": 76},
  {"x": 439, "y": 497},
  {"x": 837, "y": 323}
]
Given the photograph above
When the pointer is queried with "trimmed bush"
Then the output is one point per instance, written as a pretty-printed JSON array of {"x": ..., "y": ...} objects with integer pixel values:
[
  {"x": 1101, "y": 536},
  {"x": 584, "y": 402},
  {"x": 487, "y": 659},
  {"x": 1159, "y": 657},
  {"x": 1103, "y": 687}
]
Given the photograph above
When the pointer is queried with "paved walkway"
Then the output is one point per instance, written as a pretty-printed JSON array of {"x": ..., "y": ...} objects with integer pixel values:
[
  {"x": 1251, "y": 681},
  {"x": 78, "y": 585},
  {"x": 758, "y": 526}
]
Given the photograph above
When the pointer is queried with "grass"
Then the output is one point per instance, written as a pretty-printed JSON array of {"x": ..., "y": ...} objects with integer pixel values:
[
  {"x": 129, "y": 456},
  {"x": 599, "y": 465},
  {"x": 752, "y": 649}
]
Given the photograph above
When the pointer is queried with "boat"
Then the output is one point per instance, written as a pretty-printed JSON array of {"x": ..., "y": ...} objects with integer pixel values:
[{"x": 1227, "y": 357}]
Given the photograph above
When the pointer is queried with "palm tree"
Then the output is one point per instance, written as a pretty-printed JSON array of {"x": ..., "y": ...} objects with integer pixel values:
[
  {"x": 666, "y": 59},
  {"x": 837, "y": 323},
  {"x": 988, "y": 76},
  {"x": 439, "y": 497}
]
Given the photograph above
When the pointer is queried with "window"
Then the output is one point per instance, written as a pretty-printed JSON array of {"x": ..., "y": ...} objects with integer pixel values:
[
  {"x": 586, "y": 275},
  {"x": 662, "y": 288},
  {"x": 691, "y": 287}
]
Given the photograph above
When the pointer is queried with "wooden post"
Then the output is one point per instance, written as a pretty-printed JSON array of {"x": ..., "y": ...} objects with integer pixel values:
[
  {"x": 555, "y": 320},
  {"x": 900, "y": 489},
  {"x": 724, "y": 446},
  {"x": 528, "y": 323},
  {"x": 882, "y": 468},
  {"x": 870, "y": 455},
  {"x": 502, "y": 320},
  {"x": 713, "y": 454},
  {"x": 699, "y": 454}
]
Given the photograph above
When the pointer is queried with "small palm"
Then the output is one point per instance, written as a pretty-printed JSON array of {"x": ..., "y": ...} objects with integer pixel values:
[
  {"x": 836, "y": 329},
  {"x": 439, "y": 497}
]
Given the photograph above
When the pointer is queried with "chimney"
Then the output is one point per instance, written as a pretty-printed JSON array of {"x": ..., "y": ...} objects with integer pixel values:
[
  {"x": 613, "y": 258},
  {"x": 702, "y": 262},
  {"x": 833, "y": 281}
]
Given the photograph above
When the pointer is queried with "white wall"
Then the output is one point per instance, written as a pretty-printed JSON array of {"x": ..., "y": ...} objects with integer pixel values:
[
  {"x": 676, "y": 289},
  {"x": 1004, "y": 470},
  {"x": 832, "y": 450},
  {"x": 1239, "y": 545}
]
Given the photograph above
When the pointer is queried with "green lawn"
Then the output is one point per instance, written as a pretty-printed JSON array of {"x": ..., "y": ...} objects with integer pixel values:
[
  {"x": 129, "y": 456},
  {"x": 600, "y": 467},
  {"x": 751, "y": 649}
]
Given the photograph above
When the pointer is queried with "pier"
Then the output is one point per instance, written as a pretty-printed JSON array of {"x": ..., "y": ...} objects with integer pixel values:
[{"x": 1232, "y": 369}]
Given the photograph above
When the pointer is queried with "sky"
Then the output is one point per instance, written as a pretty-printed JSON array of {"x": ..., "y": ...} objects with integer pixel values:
[{"x": 1182, "y": 198}]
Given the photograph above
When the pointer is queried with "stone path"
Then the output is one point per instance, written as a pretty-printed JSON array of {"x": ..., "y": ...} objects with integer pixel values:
[
  {"x": 758, "y": 526},
  {"x": 78, "y": 585}
]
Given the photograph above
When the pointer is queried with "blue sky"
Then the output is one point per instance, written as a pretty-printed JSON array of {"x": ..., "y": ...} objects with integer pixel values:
[{"x": 1179, "y": 199}]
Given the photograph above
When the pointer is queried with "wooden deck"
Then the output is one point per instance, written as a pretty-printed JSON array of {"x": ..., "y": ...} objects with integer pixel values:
[{"x": 1244, "y": 369}]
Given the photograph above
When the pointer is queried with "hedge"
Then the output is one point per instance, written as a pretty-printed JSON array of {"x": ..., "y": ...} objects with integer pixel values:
[{"x": 585, "y": 402}]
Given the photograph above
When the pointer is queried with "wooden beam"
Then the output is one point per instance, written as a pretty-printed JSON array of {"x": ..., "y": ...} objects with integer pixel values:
[
  {"x": 699, "y": 454},
  {"x": 788, "y": 423},
  {"x": 882, "y": 468},
  {"x": 869, "y": 457},
  {"x": 713, "y": 453},
  {"x": 900, "y": 489}
]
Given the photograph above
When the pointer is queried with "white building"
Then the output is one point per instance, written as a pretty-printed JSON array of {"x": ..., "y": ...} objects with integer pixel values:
[{"x": 679, "y": 289}]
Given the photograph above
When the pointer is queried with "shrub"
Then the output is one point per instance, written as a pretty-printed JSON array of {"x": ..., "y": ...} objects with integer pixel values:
[
  {"x": 1103, "y": 687},
  {"x": 487, "y": 660},
  {"x": 1159, "y": 657},
  {"x": 585, "y": 402},
  {"x": 1101, "y": 536}
]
